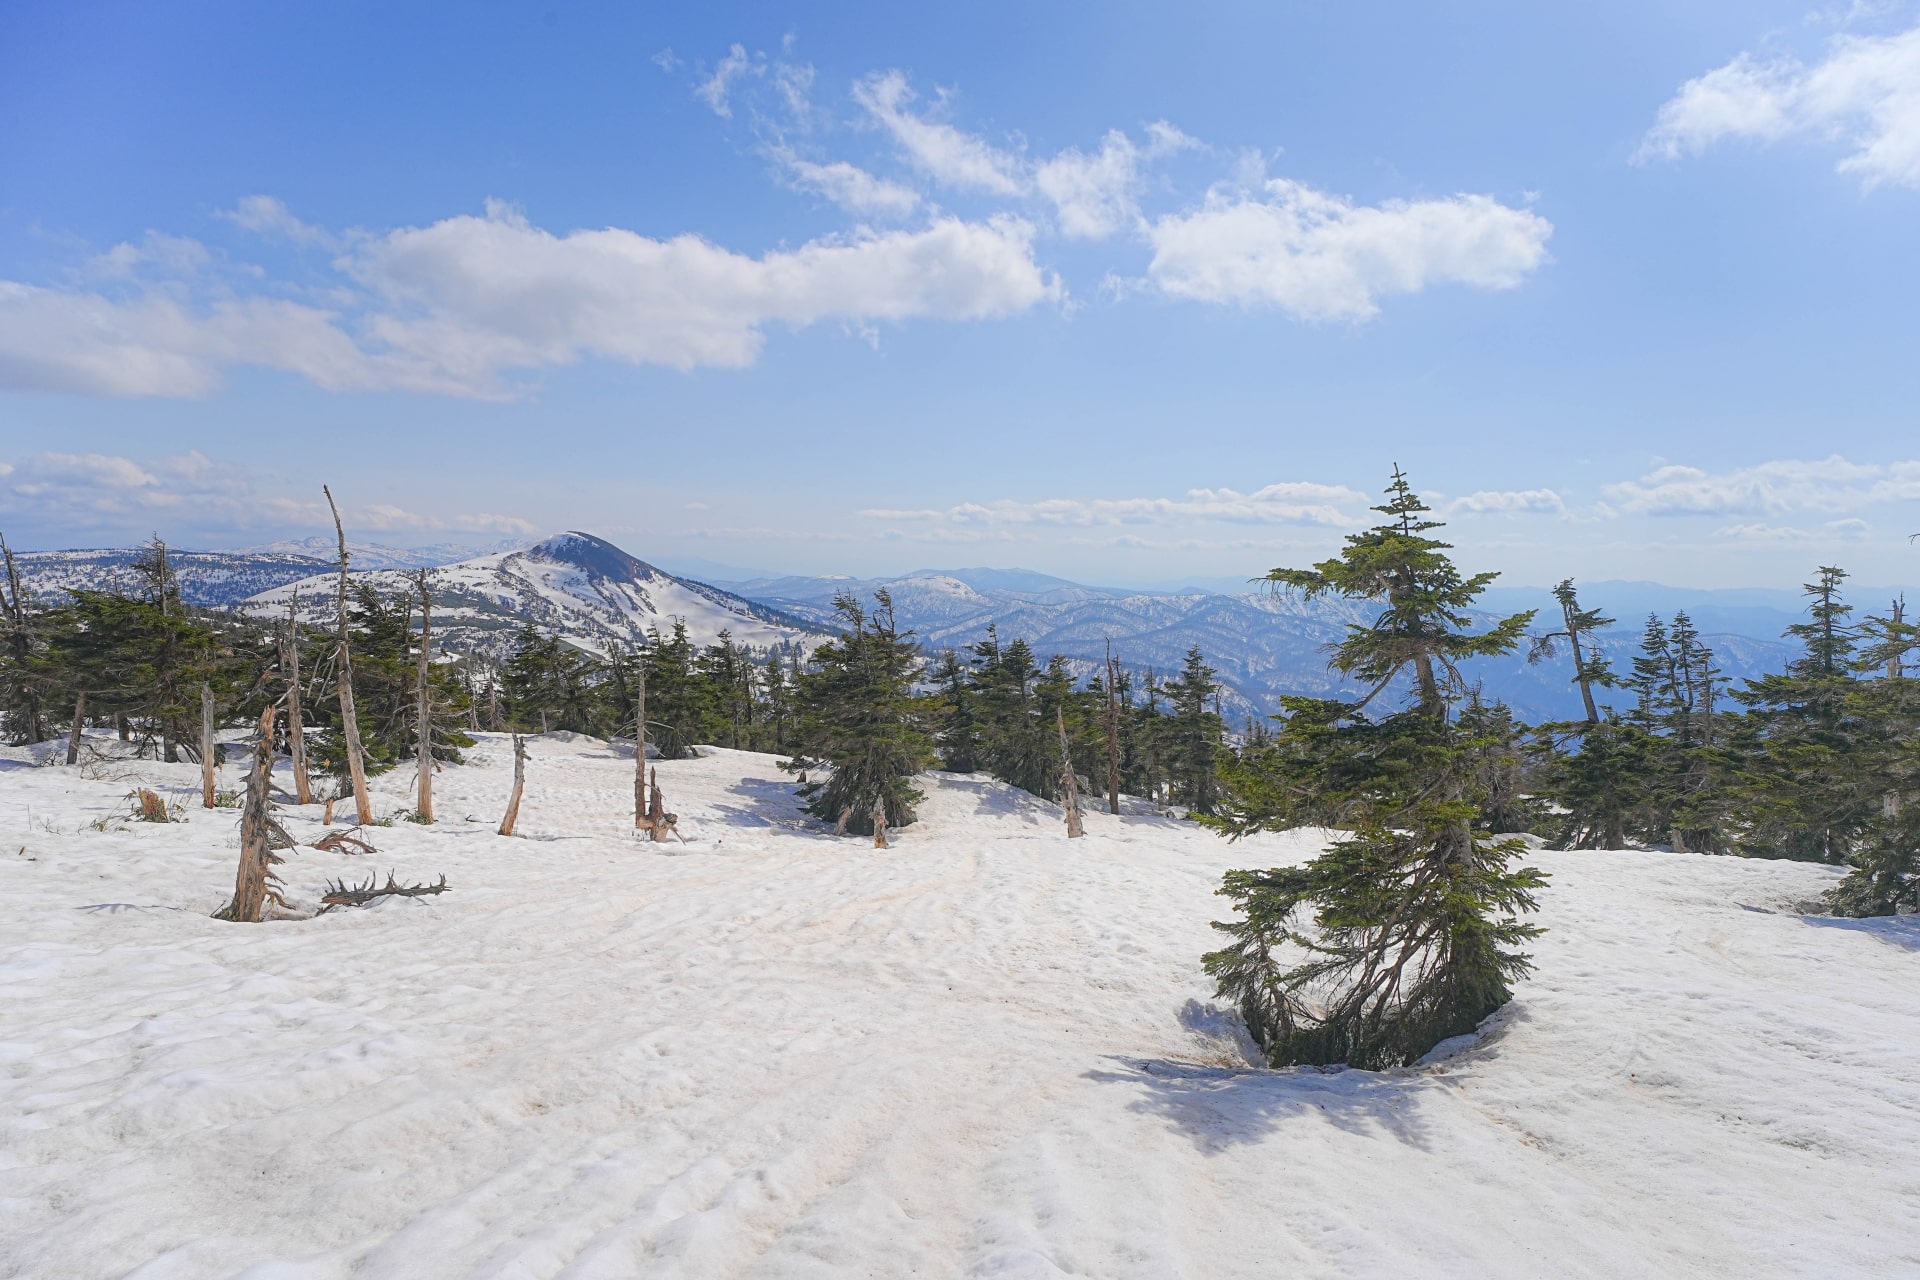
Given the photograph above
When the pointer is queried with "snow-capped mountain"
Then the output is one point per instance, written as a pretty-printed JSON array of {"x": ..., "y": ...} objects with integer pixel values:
[
  {"x": 1261, "y": 645},
  {"x": 576, "y": 586},
  {"x": 208, "y": 578},
  {"x": 374, "y": 555}
]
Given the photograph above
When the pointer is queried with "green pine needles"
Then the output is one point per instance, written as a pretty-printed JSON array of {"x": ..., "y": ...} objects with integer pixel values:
[
  {"x": 1407, "y": 929},
  {"x": 857, "y": 716}
]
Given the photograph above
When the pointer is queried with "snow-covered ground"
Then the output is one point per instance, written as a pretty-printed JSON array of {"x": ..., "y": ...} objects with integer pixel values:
[{"x": 984, "y": 1052}]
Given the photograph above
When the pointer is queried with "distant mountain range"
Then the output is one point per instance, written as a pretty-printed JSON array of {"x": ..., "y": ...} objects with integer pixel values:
[{"x": 595, "y": 595}]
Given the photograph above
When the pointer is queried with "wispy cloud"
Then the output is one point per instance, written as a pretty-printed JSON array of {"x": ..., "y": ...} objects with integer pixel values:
[
  {"x": 1293, "y": 502},
  {"x": 1508, "y": 501},
  {"x": 1767, "y": 488},
  {"x": 87, "y": 492},
  {"x": 1865, "y": 94}
]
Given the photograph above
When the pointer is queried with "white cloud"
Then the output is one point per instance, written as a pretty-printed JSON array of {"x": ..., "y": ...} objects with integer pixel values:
[
  {"x": 850, "y": 187},
  {"x": 152, "y": 345},
  {"x": 714, "y": 89},
  {"x": 1320, "y": 257},
  {"x": 156, "y": 254},
  {"x": 472, "y": 296},
  {"x": 269, "y": 217},
  {"x": 1865, "y": 94},
  {"x": 92, "y": 491},
  {"x": 1095, "y": 195},
  {"x": 1831, "y": 531},
  {"x": 1489, "y": 501},
  {"x": 948, "y": 155},
  {"x": 1768, "y": 489},
  {"x": 450, "y": 307},
  {"x": 1298, "y": 502}
]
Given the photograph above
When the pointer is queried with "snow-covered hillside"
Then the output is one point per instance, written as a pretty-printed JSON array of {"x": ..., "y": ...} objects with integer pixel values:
[
  {"x": 574, "y": 585},
  {"x": 985, "y": 1052}
]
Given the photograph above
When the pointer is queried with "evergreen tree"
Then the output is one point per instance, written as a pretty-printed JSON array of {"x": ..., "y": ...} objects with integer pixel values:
[
  {"x": 857, "y": 715},
  {"x": 1193, "y": 735},
  {"x": 1406, "y": 930},
  {"x": 1811, "y": 777}
]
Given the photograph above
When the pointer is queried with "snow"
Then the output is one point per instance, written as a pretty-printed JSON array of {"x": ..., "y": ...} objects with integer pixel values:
[{"x": 984, "y": 1052}]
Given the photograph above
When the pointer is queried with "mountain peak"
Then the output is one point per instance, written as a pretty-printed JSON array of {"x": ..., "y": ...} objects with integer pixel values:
[{"x": 595, "y": 556}]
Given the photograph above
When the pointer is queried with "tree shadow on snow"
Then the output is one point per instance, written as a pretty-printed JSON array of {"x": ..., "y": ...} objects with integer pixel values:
[
  {"x": 771, "y": 802},
  {"x": 1219, "y": 1108},
  {"x": 1898, "y": 931}
]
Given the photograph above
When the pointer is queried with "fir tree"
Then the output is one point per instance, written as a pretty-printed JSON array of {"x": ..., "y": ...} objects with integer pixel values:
[
  {"x": 1406, "y": 930},
  {"x": 857, "y": 715},
  {"x": 1193, "y": 735}
]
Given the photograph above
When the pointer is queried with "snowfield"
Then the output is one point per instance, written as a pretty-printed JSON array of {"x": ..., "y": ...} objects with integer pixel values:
[{"x": 985, "y": 1052}]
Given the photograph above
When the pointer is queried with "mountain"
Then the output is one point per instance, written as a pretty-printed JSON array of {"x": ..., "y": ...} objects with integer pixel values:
[
  {"x": 1262, "y": 645},
  {"x": 374, "y": 555},
  {"x": 212, "y": 579},
  {"x": 574, "y": 585}
]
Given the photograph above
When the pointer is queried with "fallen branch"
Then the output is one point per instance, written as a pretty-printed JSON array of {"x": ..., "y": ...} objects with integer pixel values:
[
  {"x": 344, "y": 842},
  {"x": 340, "y": 894}
]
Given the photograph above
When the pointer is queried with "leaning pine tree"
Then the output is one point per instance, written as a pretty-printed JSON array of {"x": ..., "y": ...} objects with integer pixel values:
[
  {"x": 858, "y": 717},
  {"x": 1406, "y": 930}
]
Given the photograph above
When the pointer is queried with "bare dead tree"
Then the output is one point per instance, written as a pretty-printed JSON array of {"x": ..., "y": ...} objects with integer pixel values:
[
  {"x": 255, "y": 885},
  {"x": 657, "y": 824},
  {"x": 519, "y": 785},
  {"x": 349, "y": 721},
  {"x": 296, "y": 724},
  {"x": 1113, "y": 732},
  {"x": 423, "y": 803},
  {"x": 207, "y": 775},
  {"x": 73, "y": 734},
  {"x": 846, "y": 816},
  {"x": 879, "y": 816},
  {"x": 640, "y": 812},
  {"x": 1069, "y": 784}
]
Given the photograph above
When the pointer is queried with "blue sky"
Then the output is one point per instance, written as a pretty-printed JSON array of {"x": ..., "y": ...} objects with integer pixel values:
[{"x": 1126, "y": 293}]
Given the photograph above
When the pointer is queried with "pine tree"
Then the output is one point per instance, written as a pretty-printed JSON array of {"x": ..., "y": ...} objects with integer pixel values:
[
  {"x": 1591, "y": 667},
  {"x": 858, "y": 716},
  {"x": 1193, "y": 735},
  {"x": 1406, "y": 931},
  {"x": 1811, "y": 786}
]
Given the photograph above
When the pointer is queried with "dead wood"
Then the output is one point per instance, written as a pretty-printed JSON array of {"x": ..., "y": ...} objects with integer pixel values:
[
  {"x": 344, "y": 842},
  {"x": 255, "y": 884},
  {"x": 1070, "y": 785},
  {"x": 519, "y": 785},
  {"x": 349, "y": 719},
  {"x": 207, "y": 775},
  {"x": 341, "y": 894},
  {"x": 149, "y": 807}
]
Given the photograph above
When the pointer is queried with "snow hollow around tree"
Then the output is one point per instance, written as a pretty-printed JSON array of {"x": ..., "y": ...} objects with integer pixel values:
[{"x": 986, "y": 1051}]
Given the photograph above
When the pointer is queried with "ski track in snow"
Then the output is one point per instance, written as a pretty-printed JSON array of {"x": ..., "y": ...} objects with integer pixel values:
[{"x": 986, "y": 1052}]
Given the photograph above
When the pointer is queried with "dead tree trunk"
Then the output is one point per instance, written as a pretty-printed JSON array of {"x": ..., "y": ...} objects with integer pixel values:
[
  {"x": 1069, "y": 784},
  {"x": 296, "y": 724},
  {"x": 73, "y": 735},
  {"x": 253, "y": 887},
  {"x": 1113, "y": 732},
  {"x": 207, "y": 775},
  {"x": 640, "y": 813},
  {"x": 879, "y": 822},
  {"x": 519, "y": 785},
  {"x": 656, "y": 813},
  {"x": 846, "y": 816},
  {"x": 349, "y": 721},
  {"x": 423, "y": 713}
]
